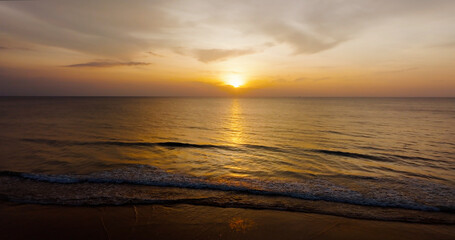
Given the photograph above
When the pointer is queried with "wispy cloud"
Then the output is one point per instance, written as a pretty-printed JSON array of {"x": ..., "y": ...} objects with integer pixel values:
[
  {"x": 449, "y": 44},
  {"x": 104, "y": 64},
  {"x": 120, "y": 29},
  {"x": 302, "y": 79},
  {"x": 154, "y": 54},
  {"x": 399, "y": 70},
  {"x": 14, "y": 48},
  {"x": 213, "y": 55}
]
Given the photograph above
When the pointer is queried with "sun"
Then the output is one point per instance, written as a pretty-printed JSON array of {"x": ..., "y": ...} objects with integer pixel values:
[{"x": 235, "y": 80}]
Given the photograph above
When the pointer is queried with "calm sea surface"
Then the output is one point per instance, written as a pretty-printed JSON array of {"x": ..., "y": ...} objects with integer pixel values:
[{"x": 375, "y": 158}]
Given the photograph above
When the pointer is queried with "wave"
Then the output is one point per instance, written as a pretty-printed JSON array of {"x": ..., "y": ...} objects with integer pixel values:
[
  {"x": 239, "y": 148},
  {"x": 381, "y": 199},
  {"x": 122, "y": 143},
  {"x": 153, "y": 144},
  {"x": 354, "y": 155},
  {"x": 376, "y": 192}
]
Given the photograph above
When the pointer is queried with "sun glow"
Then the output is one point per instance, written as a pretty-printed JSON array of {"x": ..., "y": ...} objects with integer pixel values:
[{"x": 235, "y": 80}]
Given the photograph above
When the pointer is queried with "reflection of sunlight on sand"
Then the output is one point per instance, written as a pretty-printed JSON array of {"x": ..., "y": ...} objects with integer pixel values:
[{"x": 238, "y": 224}]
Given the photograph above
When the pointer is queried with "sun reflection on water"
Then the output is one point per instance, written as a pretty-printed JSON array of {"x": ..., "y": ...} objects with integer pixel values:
[{"x": 236, "y": 123}]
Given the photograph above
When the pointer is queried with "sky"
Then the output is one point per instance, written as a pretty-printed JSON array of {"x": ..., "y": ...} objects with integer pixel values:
[{"x": 252, "y": 48}]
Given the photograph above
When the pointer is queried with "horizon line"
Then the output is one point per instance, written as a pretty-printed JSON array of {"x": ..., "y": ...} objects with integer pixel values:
[{"x": 171, "y": 96}]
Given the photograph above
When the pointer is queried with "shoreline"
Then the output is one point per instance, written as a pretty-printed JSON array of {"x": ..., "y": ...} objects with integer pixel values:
[
  {"x": 28, "y": 191},
  {"x": 183, "y": 221}
]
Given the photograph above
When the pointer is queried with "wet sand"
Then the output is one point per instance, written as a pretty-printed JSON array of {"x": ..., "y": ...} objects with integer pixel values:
[{"x": 30, "y": 221}]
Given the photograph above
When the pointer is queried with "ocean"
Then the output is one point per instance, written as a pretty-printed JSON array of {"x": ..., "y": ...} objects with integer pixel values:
[{"x": 387, "y": 159}]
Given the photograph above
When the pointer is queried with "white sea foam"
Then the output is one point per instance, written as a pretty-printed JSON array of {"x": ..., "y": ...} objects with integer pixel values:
[{"x": 398, "y": 194}]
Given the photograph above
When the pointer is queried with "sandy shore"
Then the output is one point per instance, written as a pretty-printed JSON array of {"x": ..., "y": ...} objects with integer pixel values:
[{"x": 28, "y": 221}]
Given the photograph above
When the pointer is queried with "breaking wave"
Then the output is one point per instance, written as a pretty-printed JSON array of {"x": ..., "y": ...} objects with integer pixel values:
[{"x": 397, "y": 194}]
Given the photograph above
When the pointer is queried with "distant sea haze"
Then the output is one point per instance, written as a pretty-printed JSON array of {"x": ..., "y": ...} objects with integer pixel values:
[{"x": 372, "y": 158}]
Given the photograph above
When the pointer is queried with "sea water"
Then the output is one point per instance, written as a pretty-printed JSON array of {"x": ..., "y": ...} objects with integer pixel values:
[{"x": 373, "y": 158}]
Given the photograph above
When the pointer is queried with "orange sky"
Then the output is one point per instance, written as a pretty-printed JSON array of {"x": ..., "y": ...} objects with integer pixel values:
[{"x": 198, "y": 48}]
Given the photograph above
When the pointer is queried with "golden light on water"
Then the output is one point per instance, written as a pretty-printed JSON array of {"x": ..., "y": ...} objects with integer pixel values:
[
  {"x": 235, "y": 124},
  {"x": 235, "y": 80}
]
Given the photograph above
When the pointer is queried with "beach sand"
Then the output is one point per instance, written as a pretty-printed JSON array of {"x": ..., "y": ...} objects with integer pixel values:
[{"x": 31, "y": 221}]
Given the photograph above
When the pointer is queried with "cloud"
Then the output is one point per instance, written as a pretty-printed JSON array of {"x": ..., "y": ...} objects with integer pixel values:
[
  {"x": 102, "y": 28},
  {"x": 104, "y": 64},
  {"x": 40, "y": 82},
  {"x": 399, "y": 70},
  {"x": 302, "y": 41},
  {"x": 449, "y": 44},
  {"x": 302, "y": 79},
  {"x": 312, "y": 26},
  {"x": 213, "y": 55},
  {"x": 15, "y": 48},
  {"x": 121, "y": 29},
  {"x": 154, "y": 54}
]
